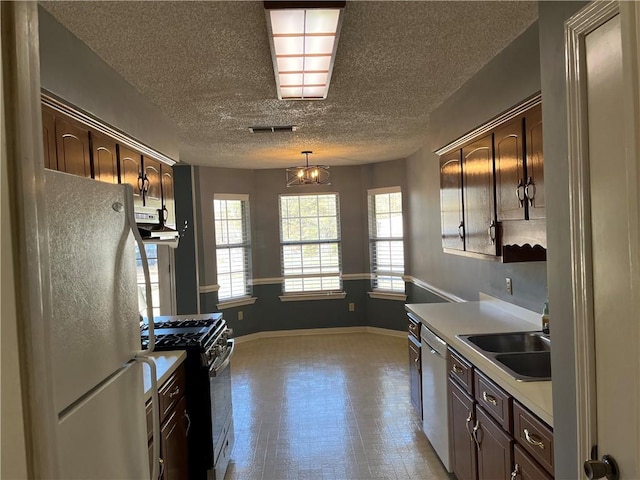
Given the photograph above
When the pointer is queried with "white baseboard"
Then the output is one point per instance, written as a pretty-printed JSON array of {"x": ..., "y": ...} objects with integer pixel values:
[{"x": 320, "y": 331}]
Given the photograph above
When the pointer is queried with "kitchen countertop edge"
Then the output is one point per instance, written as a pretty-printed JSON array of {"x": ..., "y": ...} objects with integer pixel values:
[
  {"x": 166, "y": 363},
  {"x": 450, "y": 319}
]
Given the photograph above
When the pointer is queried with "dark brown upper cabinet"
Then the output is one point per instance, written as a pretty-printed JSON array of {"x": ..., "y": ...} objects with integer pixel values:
[
  {"x": 534, "y": 186},
  {"x": 479, "y": 203},
  {"x": 152, "y": 191},
  {"x": 105, "y": 158},
  {"x": 511, "y": 200},
  {"x": 168, "y": 196},
  {"x": 49, "y": 137},
  {"x": 451, "y": 201},
  {"x": 131, "y": 172},
  {"x": 72, "y": 145}
]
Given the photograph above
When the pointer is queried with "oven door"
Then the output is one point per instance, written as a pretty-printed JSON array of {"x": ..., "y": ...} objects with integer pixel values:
[{"x": 220, "y": 391}]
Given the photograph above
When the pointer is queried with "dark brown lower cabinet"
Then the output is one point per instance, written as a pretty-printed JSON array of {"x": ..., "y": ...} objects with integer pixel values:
[
  {"x": 174, "y": 428},
  {"x": 526, "y": 468},
  {"x": 174, "y": 443},
  {"x": 463, "y": 453},
  {"x": 495, "y": 447}
]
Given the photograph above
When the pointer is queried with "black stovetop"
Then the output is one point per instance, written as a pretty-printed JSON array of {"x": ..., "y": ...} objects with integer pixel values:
[{"x": 183, "y": 332}]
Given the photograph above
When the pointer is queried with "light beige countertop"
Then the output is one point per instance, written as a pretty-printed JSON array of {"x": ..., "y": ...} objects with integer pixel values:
[
  {"x": 166, "y": 364},
  {"x": 488, "y": 316}
]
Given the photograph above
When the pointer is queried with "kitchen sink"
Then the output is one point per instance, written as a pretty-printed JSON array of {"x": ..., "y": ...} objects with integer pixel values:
[
  {"x": 510, "y": 342},
  {"x": 527, "y": 366},
  {"x": 526, "y": 356}
]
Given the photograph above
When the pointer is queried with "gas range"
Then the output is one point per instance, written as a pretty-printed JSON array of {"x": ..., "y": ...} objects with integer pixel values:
[{"x": 185, "y": 332}]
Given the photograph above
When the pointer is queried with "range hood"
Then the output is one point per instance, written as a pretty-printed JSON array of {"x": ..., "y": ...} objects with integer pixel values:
[{"x": 151, "y": 226}]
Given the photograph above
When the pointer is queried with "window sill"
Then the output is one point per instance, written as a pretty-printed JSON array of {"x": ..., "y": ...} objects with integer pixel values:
[
  {"x": 388, "y": 296},
  {"x": 302, "y": 297},
  {"x": 236, "y": 302}
]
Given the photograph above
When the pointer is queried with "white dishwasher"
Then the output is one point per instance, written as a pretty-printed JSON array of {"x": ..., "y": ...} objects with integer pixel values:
[{"x": 435, "y": 416}]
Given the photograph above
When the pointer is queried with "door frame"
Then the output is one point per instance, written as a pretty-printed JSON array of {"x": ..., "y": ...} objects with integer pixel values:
[{"x": 585, "y": 21}]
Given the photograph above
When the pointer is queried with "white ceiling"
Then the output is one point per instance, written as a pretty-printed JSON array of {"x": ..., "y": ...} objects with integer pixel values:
[{"x": 208, "y": 66}]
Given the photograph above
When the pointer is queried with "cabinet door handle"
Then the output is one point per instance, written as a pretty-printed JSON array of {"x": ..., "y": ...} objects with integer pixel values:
[
  {"x": 491, "y": 231},
  {"x": 175, "y": 392},
  {"x": 521, "y": 192},
  {"x": 533, "y": 439},
  {"x": 461, "y": 230},
  {"x": 165, "y": 214},
  {"x": 147, "y": 184},
  {"x": 530, "y": 190},
  {"x": 140, "y": 182},
  {"x": 475, "y": 433},
  {"x": 161, "y": 461},
  {"x": 489, "y": 399},
  {"x": 457, "y": 370},
  {"x": 188, "y": 419},
  {"x": 467, "y": 423},
  {"x": 417, "y": 362},
  {"x": 516, "y": 472}
]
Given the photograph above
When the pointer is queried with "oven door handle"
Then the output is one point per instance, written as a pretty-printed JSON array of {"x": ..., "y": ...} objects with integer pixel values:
[{"x": 215, "y": 370}]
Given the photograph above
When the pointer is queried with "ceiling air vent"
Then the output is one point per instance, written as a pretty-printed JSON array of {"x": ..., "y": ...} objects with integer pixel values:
[{"x": 273, "y": 129}]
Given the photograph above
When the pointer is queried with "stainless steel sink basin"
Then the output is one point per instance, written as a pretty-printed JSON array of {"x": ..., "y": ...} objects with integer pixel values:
[
  {"x": 510, "y": 342},
  {"x": 527, "y": 366},
  {"x": 526, "y": 356}
]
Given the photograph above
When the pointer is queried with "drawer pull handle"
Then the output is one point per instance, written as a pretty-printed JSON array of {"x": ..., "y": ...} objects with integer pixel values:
[
  {"x": 516, "y": 472},
  {"x": 457, "y": 370},
  {"x": 175, "y": 392},
  {"x": 533, "y": 439},
  {"x": 489, "y": 399}
]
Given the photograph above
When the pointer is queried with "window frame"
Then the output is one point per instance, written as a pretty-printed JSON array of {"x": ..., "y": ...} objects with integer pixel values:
[
  {"x": 246, "y": 297},
  {"x": 377, "y": 291},
  {"x": 329, "y": 293}
]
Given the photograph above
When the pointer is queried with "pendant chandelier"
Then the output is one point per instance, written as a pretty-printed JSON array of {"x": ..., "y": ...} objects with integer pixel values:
[{"x": 308, "y": 174}]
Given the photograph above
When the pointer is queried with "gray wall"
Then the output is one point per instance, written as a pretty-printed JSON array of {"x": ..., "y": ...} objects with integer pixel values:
[
  {"x": 510, "y": 77},
  {"x": 554, "y": 114},
  {"x": 74, "y": 73}
]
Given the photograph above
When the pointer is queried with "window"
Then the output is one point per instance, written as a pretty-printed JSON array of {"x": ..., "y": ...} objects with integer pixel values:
[
  {"x": 152, "y": 259},
  {"x": 233, "y": 245},
  {"x": 386, "y": 244},
  {"x": 310, "y": 239}
]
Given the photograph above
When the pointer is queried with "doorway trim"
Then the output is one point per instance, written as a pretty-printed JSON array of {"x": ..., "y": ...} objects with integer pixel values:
[{"x": 576, "y": 29}]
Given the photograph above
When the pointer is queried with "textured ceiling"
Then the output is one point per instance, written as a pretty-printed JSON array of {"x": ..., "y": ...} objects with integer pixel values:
[{"x": 208, "y": 66}]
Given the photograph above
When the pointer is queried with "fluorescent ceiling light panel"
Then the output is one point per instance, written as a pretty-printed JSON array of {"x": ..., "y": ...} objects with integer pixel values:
[{"x": 304, "y": 39}]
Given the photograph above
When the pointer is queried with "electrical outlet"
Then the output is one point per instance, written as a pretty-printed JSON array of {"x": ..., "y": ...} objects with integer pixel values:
[
  {"x": 352, "y": 307},
  {"x": 509, "y": 286},
  {"x": 240, "y": 315}
]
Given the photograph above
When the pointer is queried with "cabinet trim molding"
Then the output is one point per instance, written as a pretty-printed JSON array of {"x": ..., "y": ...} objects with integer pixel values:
[
  {"x": 491, "y": 124},
  {"x": 49, "y": 100}
]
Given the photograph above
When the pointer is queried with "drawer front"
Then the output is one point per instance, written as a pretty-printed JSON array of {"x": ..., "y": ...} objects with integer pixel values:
[
  {"x": 414, "y": 328},
  {"x": 494, "y": 400},
  {"x": 526, "y": 468},
  {"x": 535, "y": 437},
  {"x": 461, "y": 371},
  {"x": 171, "y": 392}
]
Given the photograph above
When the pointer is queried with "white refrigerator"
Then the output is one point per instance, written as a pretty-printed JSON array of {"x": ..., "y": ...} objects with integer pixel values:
[{"x": 95, "y": 330}]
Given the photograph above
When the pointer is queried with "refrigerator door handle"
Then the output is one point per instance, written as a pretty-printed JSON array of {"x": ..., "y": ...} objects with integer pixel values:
[
  {"x": 131, "y": 219},
  {"x": 155, "y": 412}
]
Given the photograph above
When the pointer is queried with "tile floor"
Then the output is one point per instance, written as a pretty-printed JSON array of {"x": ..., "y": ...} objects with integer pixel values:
[{"x": 325, "y": 407}]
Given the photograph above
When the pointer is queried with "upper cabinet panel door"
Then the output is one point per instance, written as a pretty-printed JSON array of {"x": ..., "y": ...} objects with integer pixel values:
[
  {"x": 168, "y": 196},
  {"x": 479, "y": 203},
  {"x": 535, "y": 163},
  {"x": 72, "y": 142},
  {"x": 105, "y": 159},
  {"x": 510, "y": 180},
  {"x": 451, "y": 201},
  {"x": 152, "y": 183},
  {"x": 49, "y": 137},
  {"x": 131, "y": 172}
]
